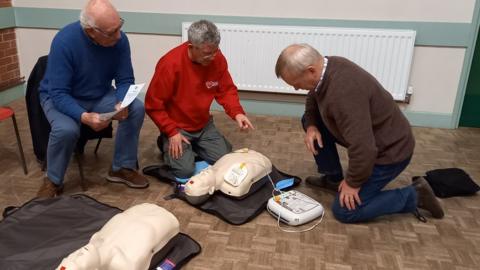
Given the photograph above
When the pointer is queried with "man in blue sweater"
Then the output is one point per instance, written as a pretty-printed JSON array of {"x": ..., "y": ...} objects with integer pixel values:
[{"x": 85, "y": 57}]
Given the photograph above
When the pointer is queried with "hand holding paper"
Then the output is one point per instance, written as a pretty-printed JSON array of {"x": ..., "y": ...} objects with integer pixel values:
[{"x": 132, "y": 93}]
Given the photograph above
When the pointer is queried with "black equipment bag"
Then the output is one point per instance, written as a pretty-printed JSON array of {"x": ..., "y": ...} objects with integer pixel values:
[
  {"x": 451, "y": 182},
  {"x": 39, "y": 126},
  {"x": 39, "y": 234},
  {"x": 235, "y": 211}
]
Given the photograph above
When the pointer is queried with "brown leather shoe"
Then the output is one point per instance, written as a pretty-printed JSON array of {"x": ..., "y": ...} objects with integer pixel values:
[
  {"x": 328, "y": 182},
  {"x": 129, "y": 177},
  {"x": 49, "y": 189},
  {"x": 426, "y": 198}
]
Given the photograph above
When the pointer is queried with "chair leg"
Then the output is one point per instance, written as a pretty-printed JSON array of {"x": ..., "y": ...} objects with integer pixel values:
[
  {"x": 98, "y": 145},
  {"x": 19, "y": 142},
  {"x": 83, "y": 183},
  {"x": 44, "y": 164}
]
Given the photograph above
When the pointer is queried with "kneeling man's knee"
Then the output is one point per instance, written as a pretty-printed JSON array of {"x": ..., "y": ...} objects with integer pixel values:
[{"x": 342, "y": 214}]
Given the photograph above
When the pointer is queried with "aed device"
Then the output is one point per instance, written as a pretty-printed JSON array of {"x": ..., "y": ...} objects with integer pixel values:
[{"x": 294, "y": 208}]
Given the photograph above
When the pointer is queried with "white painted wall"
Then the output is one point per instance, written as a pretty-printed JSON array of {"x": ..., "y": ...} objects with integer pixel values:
[
  {"x": 390, "y": 10},
  {"x": 435, "y": 76},
  {"x": 435, "y": 71}
]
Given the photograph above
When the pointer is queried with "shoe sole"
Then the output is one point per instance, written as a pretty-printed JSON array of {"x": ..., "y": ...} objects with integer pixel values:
[{"x": 119, "y": 180}]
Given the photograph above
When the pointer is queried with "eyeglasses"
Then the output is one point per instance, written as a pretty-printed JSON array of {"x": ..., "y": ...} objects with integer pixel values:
[
  {"x": 207, "y": 55},
  {"x": 109, "y": 34}
]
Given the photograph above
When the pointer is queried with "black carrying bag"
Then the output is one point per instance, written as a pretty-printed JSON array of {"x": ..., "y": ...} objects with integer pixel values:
[
  {"x": 39, "y": 234},
  {"x": 232, "y": 210},
  {"x": 451, "y": 182},
  {"x": 39, "y": 126}
]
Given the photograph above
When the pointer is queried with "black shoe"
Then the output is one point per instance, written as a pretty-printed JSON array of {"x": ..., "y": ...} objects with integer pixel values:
[
  {"x": 426, "y": 198},
  {"x": 329, "y": 182}
]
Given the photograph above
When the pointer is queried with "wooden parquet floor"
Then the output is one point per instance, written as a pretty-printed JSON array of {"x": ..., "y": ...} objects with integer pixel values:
[{"x": 391, "y": 242}]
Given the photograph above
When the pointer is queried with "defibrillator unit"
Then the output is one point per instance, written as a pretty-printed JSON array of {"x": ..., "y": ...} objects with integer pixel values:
[{"x": 294, "y": 208}]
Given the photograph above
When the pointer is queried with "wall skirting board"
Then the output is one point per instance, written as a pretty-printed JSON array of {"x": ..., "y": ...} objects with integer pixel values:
[
  {"x": 423, "y": 119},
  {"x": 11, "y": 94}
]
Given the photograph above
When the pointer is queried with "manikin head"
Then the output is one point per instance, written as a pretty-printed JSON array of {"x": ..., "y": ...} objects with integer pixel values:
[
  {"x": 219, "y": 176},
  {"x": 101, "y": 22},
  {"x": 300, "y": 66},
  {"x": 203, "y": 41}
]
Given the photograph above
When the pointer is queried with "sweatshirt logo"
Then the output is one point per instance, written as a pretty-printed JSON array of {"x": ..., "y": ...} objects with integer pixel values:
[{"x": 210, "y": 84}]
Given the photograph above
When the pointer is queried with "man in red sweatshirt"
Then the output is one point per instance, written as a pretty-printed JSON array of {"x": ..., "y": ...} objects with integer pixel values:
[{"x": 178, "y": 100}]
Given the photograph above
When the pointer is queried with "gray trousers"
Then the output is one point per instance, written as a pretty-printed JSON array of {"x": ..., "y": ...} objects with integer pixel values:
[{"x": 208, "y": 144}]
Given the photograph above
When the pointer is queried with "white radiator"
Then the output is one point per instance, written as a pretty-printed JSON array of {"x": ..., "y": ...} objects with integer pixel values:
[{"x": 252, "y": 51}]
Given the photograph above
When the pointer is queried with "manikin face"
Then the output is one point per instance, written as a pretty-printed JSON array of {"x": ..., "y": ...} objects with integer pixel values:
[
  {"x": 202, "y": 54},
  {"x": 307, "y": 80}
]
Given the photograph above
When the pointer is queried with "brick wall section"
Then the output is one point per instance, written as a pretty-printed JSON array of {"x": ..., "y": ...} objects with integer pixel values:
[
  {"x": 9, "y": 67},
  {"x": 5, "y": 3}
]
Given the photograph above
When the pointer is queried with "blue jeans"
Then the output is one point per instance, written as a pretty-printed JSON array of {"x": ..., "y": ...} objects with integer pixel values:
[
  {"x": 65, "y": 132},
  {"x": 375, "y": 201}
]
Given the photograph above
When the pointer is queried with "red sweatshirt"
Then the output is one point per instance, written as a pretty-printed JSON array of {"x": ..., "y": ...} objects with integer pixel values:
[{"x": 181, "y": 92}]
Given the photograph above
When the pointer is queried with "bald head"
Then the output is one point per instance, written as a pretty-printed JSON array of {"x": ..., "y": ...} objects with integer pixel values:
[
  {"x": 99, "y": 13},
  {"x": 296, "y": 58}
]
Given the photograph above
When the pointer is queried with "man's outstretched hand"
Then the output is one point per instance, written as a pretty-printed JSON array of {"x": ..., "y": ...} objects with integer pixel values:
[{"x": 243, "y": 122}]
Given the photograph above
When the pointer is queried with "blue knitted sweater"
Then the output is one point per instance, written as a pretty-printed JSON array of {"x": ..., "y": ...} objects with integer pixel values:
[{"x": 79, "y": 69}]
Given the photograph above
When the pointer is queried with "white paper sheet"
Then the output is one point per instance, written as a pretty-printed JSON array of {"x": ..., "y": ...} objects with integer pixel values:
[{"x": 132, "y": 93}]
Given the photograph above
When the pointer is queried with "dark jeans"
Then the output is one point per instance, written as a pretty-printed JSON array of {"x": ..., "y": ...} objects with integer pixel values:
[
  {"x": 375, "y": 201},
  {"x": 327, "y": 159}
]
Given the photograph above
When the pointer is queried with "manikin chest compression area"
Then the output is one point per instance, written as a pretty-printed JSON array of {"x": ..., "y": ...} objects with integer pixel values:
[
  {"x": 235, "y": 174},
  {"x": 127, "y": 241}
]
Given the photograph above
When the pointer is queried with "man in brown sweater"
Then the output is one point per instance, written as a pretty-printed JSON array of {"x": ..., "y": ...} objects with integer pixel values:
[{"x": 348, "y": 106}]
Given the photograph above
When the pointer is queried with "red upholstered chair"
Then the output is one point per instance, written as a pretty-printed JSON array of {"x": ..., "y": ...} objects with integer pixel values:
[{"x": 5, "y": 113}]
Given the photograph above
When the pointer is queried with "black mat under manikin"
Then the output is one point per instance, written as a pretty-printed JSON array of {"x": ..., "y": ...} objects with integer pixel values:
[
  {"x": 232, "y": 210},
  {"x": 39, "y": 234}
]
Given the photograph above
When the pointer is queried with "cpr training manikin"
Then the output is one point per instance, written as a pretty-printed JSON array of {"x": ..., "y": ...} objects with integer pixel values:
[
  {"x": 127, "y": 241},
  {"x": 234, "y": 174}
]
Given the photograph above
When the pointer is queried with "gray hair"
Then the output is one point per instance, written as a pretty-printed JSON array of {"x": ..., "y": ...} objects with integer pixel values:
[
  {"x": 86, "y": 21},
  {"x": 203, "y": 31},
  {"x": 296, "y": 58}
]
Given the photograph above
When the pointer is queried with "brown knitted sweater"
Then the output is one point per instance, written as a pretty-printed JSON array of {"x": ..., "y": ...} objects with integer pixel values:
[{"x": 362, "y": 116}]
